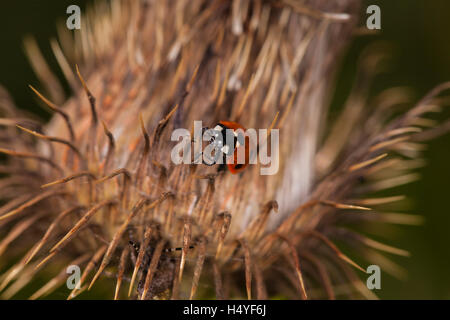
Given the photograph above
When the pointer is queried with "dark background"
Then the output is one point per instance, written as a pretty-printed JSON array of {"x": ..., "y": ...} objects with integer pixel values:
[{"x": 418, "y": 34}]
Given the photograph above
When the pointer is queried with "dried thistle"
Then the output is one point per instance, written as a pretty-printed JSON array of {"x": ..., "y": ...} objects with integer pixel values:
[{"x": 96, "y": 187}]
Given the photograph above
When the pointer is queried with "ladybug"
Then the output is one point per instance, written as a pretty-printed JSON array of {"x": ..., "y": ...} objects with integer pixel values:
[{"x": 240, "y": 142}]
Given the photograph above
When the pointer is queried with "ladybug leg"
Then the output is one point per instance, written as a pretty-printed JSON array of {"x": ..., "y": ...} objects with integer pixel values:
[{"x": 223, "y": 165}]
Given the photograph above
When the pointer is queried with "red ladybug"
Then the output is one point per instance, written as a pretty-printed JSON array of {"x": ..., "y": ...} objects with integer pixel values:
[{"x": 220, "y": 129}]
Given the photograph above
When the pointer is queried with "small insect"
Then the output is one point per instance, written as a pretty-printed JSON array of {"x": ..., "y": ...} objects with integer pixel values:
[
  {"x": 218, "y": 139},
  {"x": 164, "y": 274}
]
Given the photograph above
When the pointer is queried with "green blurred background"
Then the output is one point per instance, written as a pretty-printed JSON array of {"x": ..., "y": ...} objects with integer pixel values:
[{"x": 418, "y": 33}]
